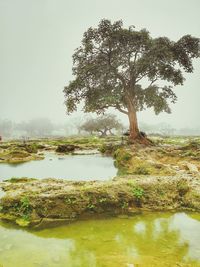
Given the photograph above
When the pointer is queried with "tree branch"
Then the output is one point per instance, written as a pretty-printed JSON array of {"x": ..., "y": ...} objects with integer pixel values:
[
  {"x": 144, "y": 75},
  {"x": 121, "y": 110},
  {"x": 153, "y": 81}
]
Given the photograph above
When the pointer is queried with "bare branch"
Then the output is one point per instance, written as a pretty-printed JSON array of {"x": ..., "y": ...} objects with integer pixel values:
[{"x": 153, "y": 81}]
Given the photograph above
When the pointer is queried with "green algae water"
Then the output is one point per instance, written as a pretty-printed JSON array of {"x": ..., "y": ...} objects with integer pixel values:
[{"x": 152, "y": 239}]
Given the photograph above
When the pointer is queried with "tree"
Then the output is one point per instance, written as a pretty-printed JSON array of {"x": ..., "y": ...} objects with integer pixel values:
[
  {"x": 113, "y": 63},
  {"x": 88, "y": 126},
  {"x": 103, "y": 124}
]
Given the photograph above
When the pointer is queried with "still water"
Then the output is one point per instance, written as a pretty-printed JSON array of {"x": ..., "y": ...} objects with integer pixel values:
[
  {"x": 71, "y": 167},
  {"x": 153, "y": 239}
]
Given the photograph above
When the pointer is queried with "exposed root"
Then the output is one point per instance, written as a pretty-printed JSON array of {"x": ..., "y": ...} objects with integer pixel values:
[{"x": 141, "y": 139}]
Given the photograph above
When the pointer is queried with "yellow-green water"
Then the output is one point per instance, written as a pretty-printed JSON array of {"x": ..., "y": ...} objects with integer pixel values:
[{"x": 152, "y": 239}]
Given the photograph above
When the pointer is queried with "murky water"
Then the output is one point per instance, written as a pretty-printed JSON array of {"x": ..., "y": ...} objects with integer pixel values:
[
  {"x": 71, "y": 167},
  {"x": 156, "y": 239}
]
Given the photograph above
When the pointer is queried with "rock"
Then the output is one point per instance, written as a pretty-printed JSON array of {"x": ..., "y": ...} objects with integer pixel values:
[
  {"x": 192, "y": 168},
  {"x": 53, "y": 202},
  {"x": 66, "y": 148}
]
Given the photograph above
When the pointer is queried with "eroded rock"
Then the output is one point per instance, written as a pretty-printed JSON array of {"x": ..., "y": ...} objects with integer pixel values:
[
  {"x": 66, "y": 148},
  {"x": 49, "y": 202}
]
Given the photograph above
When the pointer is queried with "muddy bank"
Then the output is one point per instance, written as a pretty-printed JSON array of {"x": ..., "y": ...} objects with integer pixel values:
[{"x": 42, "y": 203}]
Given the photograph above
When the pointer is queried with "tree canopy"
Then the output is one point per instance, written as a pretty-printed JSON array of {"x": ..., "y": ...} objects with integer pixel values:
[
  {"x": 103, "y": 124},
  {"x": 124, "y": 69}
]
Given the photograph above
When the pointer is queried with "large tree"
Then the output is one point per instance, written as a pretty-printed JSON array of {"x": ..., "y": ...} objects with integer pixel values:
[{"x": 124, "y": 68}]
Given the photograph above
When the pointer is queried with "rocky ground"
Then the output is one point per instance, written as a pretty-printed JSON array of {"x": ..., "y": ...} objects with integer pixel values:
[
  {"x": 17, "y": 151},
  {"x": 164, "y": 176},
  {"x": 51, "y": 201}
]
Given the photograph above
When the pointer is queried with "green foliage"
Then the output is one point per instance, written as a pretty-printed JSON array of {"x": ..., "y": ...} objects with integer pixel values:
[
  {"x": 102, "y": 200},
  {"x": 124, "y": 205},
  {"x": 25, "y": 207},
  {"x": 138, "y": 192},
  {"x": 90, "y": 206},
  {"x": 25, "y": 204},
  {"x": 112, "y": 62},
  {"x": 103, "y": 124},
  {"x": 70, "y": 200}
]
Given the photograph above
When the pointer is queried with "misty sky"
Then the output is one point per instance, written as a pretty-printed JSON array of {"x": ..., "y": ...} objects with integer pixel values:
[{"x": 38, "y": 38}]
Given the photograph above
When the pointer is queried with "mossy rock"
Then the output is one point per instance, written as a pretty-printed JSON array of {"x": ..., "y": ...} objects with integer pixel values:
[
  {"x": 18, "y": 154},
  {"x": 66, "y": 148},
  {"x": 109, "y": 148},
  {"x": 122, "y": 158}
]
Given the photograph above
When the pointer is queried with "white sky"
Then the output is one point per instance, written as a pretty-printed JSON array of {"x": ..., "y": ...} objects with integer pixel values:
[{"x": 38, "y": 38}]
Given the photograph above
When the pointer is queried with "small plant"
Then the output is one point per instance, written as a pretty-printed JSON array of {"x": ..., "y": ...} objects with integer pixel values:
[
  {"x": 26, "y": 217},
  {"x": 25, "y": 204},
  {"x": 24, "y": 208},
  {"x": 102, "y": 200},
  {"x": 70, "y": 200},
  {"x": 124, "y": 205},
  {"x": 138, "y": 192},
  {"x": 90, "y": 206}
]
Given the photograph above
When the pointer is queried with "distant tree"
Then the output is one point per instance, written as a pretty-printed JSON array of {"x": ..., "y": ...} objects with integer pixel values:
[
  {"x": 159, "y": 128},
  {"x": 103, "y": 124},
  {"x": 88, "y": 126},
  {"x": 165, "y": 129},
  {"x": 112, "y": 62},
  {"x": 37, "y": 127}
]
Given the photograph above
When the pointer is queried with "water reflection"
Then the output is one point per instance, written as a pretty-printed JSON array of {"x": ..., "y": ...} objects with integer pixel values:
[
  {"x": 71, "y": 167},
  {"x": 151, "y": 240}
]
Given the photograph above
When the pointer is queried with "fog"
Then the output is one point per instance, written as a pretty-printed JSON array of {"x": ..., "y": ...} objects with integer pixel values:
[{"x": 38, "y": 38}]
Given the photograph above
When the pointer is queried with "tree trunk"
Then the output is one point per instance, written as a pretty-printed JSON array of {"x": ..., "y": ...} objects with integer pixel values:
[
  {"x": 103, "y": 132},
  {"x": 135, "y": 135},
  {"x": 133, "y": 123}
]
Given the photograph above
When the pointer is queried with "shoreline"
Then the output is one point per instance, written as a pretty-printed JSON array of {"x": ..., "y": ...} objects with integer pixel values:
[{"x": 50, "y": 202}]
